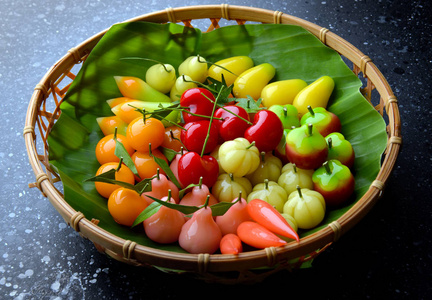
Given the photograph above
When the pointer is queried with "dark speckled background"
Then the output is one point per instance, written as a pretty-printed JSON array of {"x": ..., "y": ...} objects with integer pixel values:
[{"x": 386, "y": 256}]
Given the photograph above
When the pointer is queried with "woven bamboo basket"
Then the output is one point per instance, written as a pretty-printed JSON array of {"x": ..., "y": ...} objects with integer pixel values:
[{"x": 43, "y": 111}]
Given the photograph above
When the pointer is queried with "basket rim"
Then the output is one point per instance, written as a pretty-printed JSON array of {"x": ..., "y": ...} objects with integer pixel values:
[{"x": 140, "y": 254}]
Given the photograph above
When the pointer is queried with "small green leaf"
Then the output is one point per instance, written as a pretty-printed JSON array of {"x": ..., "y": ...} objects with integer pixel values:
[
  {"x": 169, "y": 153},
  {"x": 249, "y": 104},
  {"x": 220, "y": 208},
  {"x": 120, "y": 152},
  {"x": 165, "y": 167},
  {"x": 109, "y": 177},
  {"x": 147, "y": 213},
  {"x": 186, "y": 209}
]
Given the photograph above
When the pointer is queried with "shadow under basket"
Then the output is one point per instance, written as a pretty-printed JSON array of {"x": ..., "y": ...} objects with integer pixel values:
[{"x": 43, "y": 111}]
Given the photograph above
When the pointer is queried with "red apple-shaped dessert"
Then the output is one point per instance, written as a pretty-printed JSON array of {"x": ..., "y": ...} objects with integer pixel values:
[
  {"x": 266, "y": 131},
  {"x": 234, "y": 121},
  {"x": 306, "y": 147},
  {"x": 334, "y": 181}
]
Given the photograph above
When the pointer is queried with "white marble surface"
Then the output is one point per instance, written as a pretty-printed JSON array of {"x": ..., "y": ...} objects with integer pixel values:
[{"x": 42, "y": 258}]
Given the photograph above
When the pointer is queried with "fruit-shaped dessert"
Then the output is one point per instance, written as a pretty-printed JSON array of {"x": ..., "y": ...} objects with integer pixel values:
[
  {"x": 306, "y": 147},
  {"x": 195, "y": 67},
  {"x": 323, "y": 120},
  {"x": 269, "y": 168},
  {"x": 161, "y": 187},
  {"x": 228, "y": 187},
  {"x": 306, "y": 206},
  {"x": 281, "y": 92},
  {"x": 234, "y": 120},
  {"x": 136, "y": 88},
  {"x": 130, "y": 110},
  {"x": 334, "y": 181},
  {"x": 270, "y": 192},
  {"x": 239, "y": 157},
  {"x": 123, "y": 173},
  {"x": 161, "y": 77},
  {"x": 253, "y": 80},
  {"x": 340, "y": 149},
  {"x": 125, "y": 205},
  {"x": 192, "y": 167},
  {"x": 291, "y": 177},
  {"x": 234, "y": 216},
  {"x": 105, "y": 148},
  {"x": 200, "y": 234},
  {"x": 165, "y": 225},
  {"x": 266, "y": 130},
  {"x": 316, "y": 94},
  {"x": 230, "y": 68},
  {"x": 288, "y": 115},
  {"x": 198, "y": 196}
]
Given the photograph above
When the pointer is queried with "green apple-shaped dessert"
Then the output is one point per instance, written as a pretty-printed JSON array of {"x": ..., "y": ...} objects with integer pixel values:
[
  {"x": 334, "y": 181},
  {"x": 306, "y": 147},
  {"x": 287, "y": 113},
  {"x": 324, "y": 121},
  {"x": 340, "y": 149}
]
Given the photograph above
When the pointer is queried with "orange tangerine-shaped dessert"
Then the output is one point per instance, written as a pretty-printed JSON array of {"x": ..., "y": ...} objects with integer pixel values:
[
  {"x": 164, "y": 226},
  {"x": 172, "y": 138},
  {"x": 145, "y": 133},
  {"x": 125, "y": 205},
  {"x": 105, "y": 148},
  {"x": 109, "y": 124},
  {"x": 122, "y": 174},
  {"x": 145, "y": 164}
]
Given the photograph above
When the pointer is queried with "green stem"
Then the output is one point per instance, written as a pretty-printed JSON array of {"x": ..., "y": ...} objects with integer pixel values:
[
  {"x": 327, "y": 168},
  {"x": 310, "y": 127},
  {"x": 330, "y": 143},
  {"x": 240, "y": 196},
  {"x": 285, "y": 111},
  {"x": 299, "y": 191},
  {"x": 119, "y": 164},
  {"x": 115, "y": 134},
  {"x": 200, "y": 182},
  {"x": 207, "y": 201},
  {"x": 311, "y": 111},
  {"x": 266, "y": 184},
  {"x": 183, "y": 109},
  {"x": 251, "y": 145},
  {"x": 221, "y": 106},
  {"x": 231, "y": 175},
  {"x": 200, "y": 84},
  {"x": 210, "y": 123},
  {"x": 263, "y": 156}
]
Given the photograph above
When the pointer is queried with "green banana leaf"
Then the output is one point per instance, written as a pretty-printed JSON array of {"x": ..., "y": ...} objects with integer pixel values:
[{"x": 293, "y": 51}]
